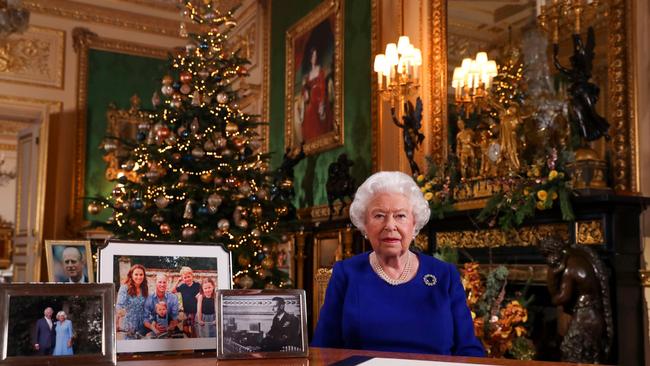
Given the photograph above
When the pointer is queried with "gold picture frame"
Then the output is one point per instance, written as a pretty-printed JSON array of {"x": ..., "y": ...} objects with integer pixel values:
[
  {"x": 61, "y": 269},
  {"x": 88, "y": 311},
  {"x": 314, "y": 79}
]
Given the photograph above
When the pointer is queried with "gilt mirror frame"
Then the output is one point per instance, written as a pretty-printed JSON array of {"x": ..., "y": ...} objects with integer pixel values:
[{"x": 621, "y": 93}]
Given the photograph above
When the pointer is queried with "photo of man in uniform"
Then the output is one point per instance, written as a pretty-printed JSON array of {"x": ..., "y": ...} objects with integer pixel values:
[{"x": 285, "y": 329}]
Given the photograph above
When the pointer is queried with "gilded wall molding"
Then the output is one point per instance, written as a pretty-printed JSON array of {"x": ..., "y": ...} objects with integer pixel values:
[
  {"x": 492, "y": 238},
  {"x": 438, "y": 78},
  {"x": 590, "y": 232},
  {"x": 644, "y": 274},
  {"x": 266, "y": 71},
  {"x": 83, "y": 41},
  {"x": 103, "y": 15},
  {"x": 375, "y": 15},
  {"x": 35, "y": 57}
]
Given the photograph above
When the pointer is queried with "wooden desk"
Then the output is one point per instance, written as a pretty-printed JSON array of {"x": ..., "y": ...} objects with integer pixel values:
[{"x": 327, "y": 356}]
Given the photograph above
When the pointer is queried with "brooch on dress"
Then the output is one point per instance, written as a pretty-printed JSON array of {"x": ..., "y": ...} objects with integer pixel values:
[{"x": 430, "y": 280}]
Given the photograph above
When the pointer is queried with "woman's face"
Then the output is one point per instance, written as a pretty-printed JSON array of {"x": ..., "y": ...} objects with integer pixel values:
[
  {"x": 138, "y": 276},
  {"x": 314, "y": 57},
  {"x": 390, "y": 225},
  {"x": 208, "y": 289},
  {"x": 61, "y": 317}
]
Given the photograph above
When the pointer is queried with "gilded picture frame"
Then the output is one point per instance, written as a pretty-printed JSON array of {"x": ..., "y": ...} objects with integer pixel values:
[
  {"x": 314, "y": 79},
  {"x": 69, "y": 261},
  {"x": 248, "y": 329},
  {"x": 163, "y": 263},
  {"x": 88, "y": 315},
  {"x": 85, "y": 41}
]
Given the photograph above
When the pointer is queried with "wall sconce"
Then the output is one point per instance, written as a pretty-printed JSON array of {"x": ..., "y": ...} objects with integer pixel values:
[
  {"x": 397, "y": 71},
  {"x": 472, "y": 80},
  {"x": 13, "y": 18}
]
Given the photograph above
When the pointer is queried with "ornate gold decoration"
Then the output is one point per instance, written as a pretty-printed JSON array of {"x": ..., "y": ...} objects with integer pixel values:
[
  {"x": 34, "y": 57},
  {"x": 321, "y": 280},
  {"x": 421, "y": 242},
  {"x": 97, "y": 14},
  {"x": 7, "y": 147},
  {"x": 438, "y": 79},
  {"x": 322, "y": 212},
  {"x": 266, "y": 72},
  {"x": 308, "y": 22},
  {"x": 374, "y": 105},
  {"x": 168, "y": 5},
  {"x": 492, "y": 238},
  {"x": 520, "y": 272},
  {"x": 590, "y": 232},
  {"x": 83, "y": 41}
]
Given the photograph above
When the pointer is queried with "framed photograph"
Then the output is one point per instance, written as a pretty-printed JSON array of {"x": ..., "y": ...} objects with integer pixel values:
[
  {"x": 69, "y": 261},
  {"x": 165, "y": 293},
  {"x": 261, "y": 323},
  {"x": 314, "y": 79},
  {"x": 57, "y": 324},
  {"x": 284, "y": 254}
]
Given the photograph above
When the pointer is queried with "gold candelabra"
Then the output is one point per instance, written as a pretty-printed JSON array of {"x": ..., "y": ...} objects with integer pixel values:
[
  {"x": 552, "y": 13},
  {"x": 397, "y": 71},
  {"x": 471, "y": 82}
]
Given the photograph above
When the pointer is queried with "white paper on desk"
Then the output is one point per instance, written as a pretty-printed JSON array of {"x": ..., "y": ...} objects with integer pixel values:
[{"x": 401, "y": 362}]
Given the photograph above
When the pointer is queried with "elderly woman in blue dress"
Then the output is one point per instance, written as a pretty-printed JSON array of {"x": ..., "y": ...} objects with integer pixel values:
[
  {"x": 63, "y": 329},
  {"x": 392, "y": 299},
  {"x": 130, "y": 302}
]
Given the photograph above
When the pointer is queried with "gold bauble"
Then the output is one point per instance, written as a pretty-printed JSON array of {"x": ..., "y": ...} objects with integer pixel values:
[
  {"x": 257, "y": 210},
  {"x": 165, "y": 229},
  {"x": 245, "y": 281},
  {"x": 268, "y": 263},
  {"x": 94, "y": 208},
  {"x": 206, "y": 178},
  {"x": 282, "y": 210},
  {"x": 231, "y": 127}
]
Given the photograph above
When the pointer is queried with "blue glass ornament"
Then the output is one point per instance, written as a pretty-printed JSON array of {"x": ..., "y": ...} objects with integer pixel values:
[
  {"x": 141, "y": 136},
  {"x": 137, "y": 204},
  {"x": 252, "y": 198},
  {"x": 176, "y": 85},
  {"x": 203, "y": 46},
  {"x": 188, "y": 158},
  {"x": 185, "y": 134},
  {"x": 203, "y": 210}
]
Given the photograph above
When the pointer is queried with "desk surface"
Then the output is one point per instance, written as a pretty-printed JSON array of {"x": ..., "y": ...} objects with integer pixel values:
[{"x": 327, "y": 356}]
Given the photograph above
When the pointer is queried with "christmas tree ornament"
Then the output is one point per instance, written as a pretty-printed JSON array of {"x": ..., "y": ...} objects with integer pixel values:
[
  {"x": 163, "y": 132},
  {"x": 188, "y": 232},
  {"x": 183, "y": 178},
  {"x": 197, "y": 152},
  {"x": 176, "y": 157},
  {"x": 167, "y": 90},
  {"x": 176, "y": 85},
  {"x": 244, "y": 260},
  {"x": 126, "y": 205},
  {"x": 222, "y": 98},
  {"x": 117, "y": 192},
  {"x": 246, "y": 281},
  {"x": 257, "y": 210},
  {"x": 109, "y": 146},
  {"x": 185, "y": 77},
  {"x": 185, "y": 89},
  {"x": 266, "y": 248},
  {"x": 223, "y": 225},
  {"x": 176, "y": 100},
  {"x": 270, "y": 286},
  {"x": 137, "y": 204},
  {"x": 242, "y": 224},
  {"x": 190, "y": 48},
  {"x": 128, "y": 165},
  {"x": 167, "y": 80},
  {"x": 152, "y": 176},
  {"x": 227, "y": 153},
  {"x": 194, "y": 126},
  {"x": 218, "y": 181},
  {"x": 206, "y": 178},
  {"x": 157, "y": 219},
  {"x": 231, "y": 127},
  {"x": 187, "y": 213},
  {"x": 180, "y": 131},
  {"x": 155, "y": 99},
  {"x": 141, "y": 136},
  {"x": 221, "y": 142},
  {"x": 94, "y": 208},
  {"x": 209, "y": 145},
  {"x": 203, "y": 209},
  {"x": 267, "y": 263},
  {"x": 203, "y": 74},
  {"x": 245, "y": 188},
  {"x": 172, "y": 139},
  {"x": 256, "y": 233},
  {"x": 161, "y": 202},
  {"x": 196, "y": 99},
  {"x": 214, "y": 200}
]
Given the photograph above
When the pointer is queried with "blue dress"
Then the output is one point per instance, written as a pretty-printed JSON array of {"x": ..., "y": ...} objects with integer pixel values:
[
  {"x": 362, "y": 311},
  {"x": 63, "y": 335},
  {"x": 133, "y": 321}
]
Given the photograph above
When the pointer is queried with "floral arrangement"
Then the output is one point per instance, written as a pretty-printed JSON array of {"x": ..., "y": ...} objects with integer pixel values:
[
  {"x": 544, "y": 185},
  {"x": 499, "y": 323}
]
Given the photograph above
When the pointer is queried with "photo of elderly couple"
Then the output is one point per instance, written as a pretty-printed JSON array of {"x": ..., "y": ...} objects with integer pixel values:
[
  {"x": 54, "y": 325},
  {"x": 165, "y": 297}
]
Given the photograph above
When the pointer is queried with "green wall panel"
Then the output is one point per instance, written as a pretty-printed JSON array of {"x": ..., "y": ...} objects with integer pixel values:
[
  {"x": 113, "y": 77},
  {"x": 311, "y": 173}
]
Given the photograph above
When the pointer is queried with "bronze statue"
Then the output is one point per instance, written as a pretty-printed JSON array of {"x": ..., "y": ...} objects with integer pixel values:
[
  {"x": 339, "y": 183},
  {"x": 577, "y": 281},
  {"x": 465, "y": 150},
  {"x": 283, "y": 176},
  {"x": 583, "y": 95},
  {"x": 411, "y": 131}
]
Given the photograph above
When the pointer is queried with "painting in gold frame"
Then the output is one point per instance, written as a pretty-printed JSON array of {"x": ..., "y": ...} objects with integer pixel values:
[
  {"x": 69, "y": 261},
  {"x": 314, "y": 79}
]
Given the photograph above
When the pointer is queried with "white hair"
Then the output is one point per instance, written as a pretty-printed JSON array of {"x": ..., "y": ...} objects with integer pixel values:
[
  {"x": 61, "y": 313},
  {"x": 389, "y": 182}
]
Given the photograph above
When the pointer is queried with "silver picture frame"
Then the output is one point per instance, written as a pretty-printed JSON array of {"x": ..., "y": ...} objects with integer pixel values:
[
  {"x": 261, "y": 324},
  {"x": 88, "y": 309}
]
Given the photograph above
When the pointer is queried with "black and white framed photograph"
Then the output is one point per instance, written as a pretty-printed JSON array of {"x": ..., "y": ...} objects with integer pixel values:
[
  {"x": 165, "y": 293},
  {"x": 261, "y": 323},
  {"x": 57, "y": 324},
  {"x": 69, "y": 261}
]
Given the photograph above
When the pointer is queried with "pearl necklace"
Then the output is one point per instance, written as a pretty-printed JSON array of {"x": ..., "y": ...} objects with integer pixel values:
[{"x": 403, "y": 277}]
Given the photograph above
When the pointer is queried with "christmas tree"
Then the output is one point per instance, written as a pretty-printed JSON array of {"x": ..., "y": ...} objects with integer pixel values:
[{"x": 195, "y": 171}]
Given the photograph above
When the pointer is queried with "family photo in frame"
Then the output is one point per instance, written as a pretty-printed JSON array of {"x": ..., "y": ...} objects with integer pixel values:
[
  {"x": 165, "y": 293},
  {"x": 69, "y": 261},
  {"x": 314, "y": 78},
  {"x": 57, "y": 324},
  {"x": 262, "y": 323}
]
